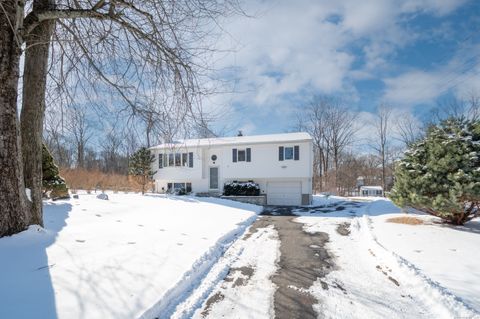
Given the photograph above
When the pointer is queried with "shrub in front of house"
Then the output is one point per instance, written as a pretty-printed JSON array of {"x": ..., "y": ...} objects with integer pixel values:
[{"x": 241, "y": 189}]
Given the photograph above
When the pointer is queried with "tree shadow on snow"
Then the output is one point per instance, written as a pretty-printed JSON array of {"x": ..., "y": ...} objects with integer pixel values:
[{"x": 26, "y": 289}]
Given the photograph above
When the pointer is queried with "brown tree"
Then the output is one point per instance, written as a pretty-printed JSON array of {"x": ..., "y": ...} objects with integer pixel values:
[{"x": 13, "y": 211}]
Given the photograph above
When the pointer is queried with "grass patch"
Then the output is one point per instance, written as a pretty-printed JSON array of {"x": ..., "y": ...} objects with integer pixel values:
[{"x": 405, "y": 220}]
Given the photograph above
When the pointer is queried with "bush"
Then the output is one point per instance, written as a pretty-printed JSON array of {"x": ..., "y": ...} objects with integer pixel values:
[
  {"x": 440, "y": 174},
  {"x": 90, "y": 180},
  {"x": 241, "y": 189},
  {"x": 53, "y": 184}
]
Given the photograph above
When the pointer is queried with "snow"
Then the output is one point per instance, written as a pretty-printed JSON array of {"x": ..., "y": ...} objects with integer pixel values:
[
  {"x": 381, "y": 274},
  {"x": 446, "y": 254},
  {"x": 325, "y": 200},
  {"x": 254, "y": 139},
  {"x": 242, "y": 295},
  {"x": 130, "y": 256}
]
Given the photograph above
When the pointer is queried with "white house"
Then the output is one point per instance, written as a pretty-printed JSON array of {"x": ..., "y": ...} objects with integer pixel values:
[{"x": 281, "y": 164}]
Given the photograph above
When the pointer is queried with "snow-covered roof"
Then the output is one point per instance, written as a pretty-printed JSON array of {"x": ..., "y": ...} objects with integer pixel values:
[
  {"x": 371, "y": 188},
  {"x": 253, "y": 139}
]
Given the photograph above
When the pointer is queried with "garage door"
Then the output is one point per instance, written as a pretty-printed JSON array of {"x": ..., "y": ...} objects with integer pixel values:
[{"x": 284, "y": 193}]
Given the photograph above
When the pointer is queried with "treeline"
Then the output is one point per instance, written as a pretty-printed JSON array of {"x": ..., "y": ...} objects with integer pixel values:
[{"x": 351, "y": 150}]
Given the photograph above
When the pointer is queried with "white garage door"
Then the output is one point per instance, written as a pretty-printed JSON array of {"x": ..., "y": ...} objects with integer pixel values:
[{"x": 284, "y": 193}]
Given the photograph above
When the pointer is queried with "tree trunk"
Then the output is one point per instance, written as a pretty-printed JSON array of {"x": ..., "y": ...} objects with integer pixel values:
[
  {"x": 33, "y": 108},
  {"x": 13, "y": 211}
]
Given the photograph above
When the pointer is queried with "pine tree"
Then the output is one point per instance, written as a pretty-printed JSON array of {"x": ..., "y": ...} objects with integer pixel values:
[
  {"x": 440, "y": 174},
  {"x": 54, "y": 185},
  {"x": 141, "y": 166}
]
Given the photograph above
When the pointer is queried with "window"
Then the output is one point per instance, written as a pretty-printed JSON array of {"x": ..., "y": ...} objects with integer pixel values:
[
  {"x": 175, "y": 188},
  {"x": 178, "y": 159},
  {"x": 241, "y": 155},
  {"x": 184, "y": 159},
  {"x": 244, "y": 155},
  {"x": 289, "y": 153},
  {"x": 190, "y": 159},
  {"x": 160, "y": 160}
]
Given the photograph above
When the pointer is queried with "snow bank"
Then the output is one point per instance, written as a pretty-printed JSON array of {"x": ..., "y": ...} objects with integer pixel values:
[
  {"x": 116, "y": 258},
  {"x": 446, "y": 255},
  {"x": 371, "y": 280}
]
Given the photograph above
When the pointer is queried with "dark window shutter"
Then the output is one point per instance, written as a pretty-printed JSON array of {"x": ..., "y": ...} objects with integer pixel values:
[
  {"x": 234, "y": 155},
  {"x": 296, "y": 152},
  {"x": 190, "y": 159},
  {"x": 280, "y": 153},
  {"x": 160, "y": 160},
  {"x": 249, "y": 154}
]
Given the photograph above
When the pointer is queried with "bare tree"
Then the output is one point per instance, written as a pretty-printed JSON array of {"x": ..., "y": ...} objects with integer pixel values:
[
  {"x": 123, "y": 43},
  {"x": 80, "y": 129},
  {"x": 409, "y": 129},
  {"x": 381, "y": 142},
  {"x": 56, "y": 139},
  {"x": 332, "y": 127},
  {"x": 466, "y": 107}
]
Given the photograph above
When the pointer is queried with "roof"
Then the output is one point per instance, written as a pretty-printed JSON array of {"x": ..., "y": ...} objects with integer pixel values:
[
  {"x": 372, "y": 187},
  {"x": 235, "y": 140}
]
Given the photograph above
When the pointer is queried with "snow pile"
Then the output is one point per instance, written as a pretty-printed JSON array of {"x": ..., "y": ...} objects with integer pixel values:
[
  {"x": 116, "y": 258},
  {"x": 325, "y": 200},
  {"x": 372, "y": 281}
]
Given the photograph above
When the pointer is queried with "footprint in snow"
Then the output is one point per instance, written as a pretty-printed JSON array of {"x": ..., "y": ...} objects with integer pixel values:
[
  {"x": 204, "y": 238},
  {"x": 183, "y": 234},
  {"x": 80, "y": 240},
  {"x": 179, "y": 244},
  {"x": 161, "y": 229},
  {"x": 140, "y": 225},
  {"x": 417, "y": 251},
  {"x": 131, "y": 243},
  {"x": 119, "y": 221},
  {"x": 98, "y": 215}
]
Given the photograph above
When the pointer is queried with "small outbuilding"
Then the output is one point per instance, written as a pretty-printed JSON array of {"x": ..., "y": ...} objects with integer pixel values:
[{"x": 371, "y": 191}]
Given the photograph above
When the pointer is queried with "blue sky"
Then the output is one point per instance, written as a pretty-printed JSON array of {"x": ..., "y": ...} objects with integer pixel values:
[{"x": 407, "y": 54}]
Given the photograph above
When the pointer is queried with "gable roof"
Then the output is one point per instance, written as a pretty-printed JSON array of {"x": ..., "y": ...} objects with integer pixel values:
[{"x": 238, "y": 140}]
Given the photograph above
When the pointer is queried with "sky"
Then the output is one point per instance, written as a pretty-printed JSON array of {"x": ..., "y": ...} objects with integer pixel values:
[{"x": 406, "y": 54}]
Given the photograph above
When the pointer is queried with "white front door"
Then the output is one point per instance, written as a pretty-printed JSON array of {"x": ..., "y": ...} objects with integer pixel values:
[
  {"x": 284, "y": 193},
  {"x": 213, "y": 178}
]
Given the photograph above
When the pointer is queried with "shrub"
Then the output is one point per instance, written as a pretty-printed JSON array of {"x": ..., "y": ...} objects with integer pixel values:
[
  {"x": 241, "y": 189},
  {"x": 440, "y": 174},
  {"x": 53, "y": 184},
  {"x": 141, "y": 166}
]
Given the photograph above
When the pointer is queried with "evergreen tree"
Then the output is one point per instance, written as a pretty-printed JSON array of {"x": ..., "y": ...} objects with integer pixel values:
[
  {"x": 440, "y": 174},
  {"x": 54, "y": 185},
  {"x": 141, "y": 166}
]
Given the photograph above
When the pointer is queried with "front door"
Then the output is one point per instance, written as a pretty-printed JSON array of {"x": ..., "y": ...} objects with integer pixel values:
[{"x": 213, "y": 177}]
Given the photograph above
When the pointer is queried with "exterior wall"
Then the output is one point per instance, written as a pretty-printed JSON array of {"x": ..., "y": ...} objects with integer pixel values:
[
  {"x": 257, "y": 200},
  {"x": 264, "y": 167}
]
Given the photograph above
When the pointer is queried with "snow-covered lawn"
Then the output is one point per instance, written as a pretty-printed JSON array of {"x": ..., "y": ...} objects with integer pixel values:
[
  {"x": 388, "y": 270},
  {"x": 127, "y": 257}
]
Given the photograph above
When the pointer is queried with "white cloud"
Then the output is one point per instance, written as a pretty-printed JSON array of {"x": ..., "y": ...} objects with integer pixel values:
[
  {"x": 437, "y": 7},
  {"x": 293, "y": 45}
]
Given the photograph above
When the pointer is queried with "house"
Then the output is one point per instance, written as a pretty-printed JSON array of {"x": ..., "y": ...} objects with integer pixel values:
[
  {"x": 281, "y": 164},
  {"x": 371, "y": 191}
]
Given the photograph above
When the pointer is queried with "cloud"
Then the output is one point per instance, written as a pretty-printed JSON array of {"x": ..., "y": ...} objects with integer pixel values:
[{"x": 291, "y": 48}]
